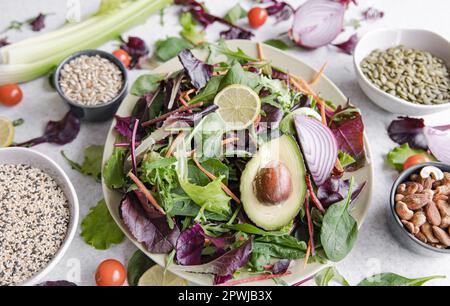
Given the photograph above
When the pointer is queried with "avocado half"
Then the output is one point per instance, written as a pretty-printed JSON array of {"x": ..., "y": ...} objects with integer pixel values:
[{"x": 270, "y": 216}]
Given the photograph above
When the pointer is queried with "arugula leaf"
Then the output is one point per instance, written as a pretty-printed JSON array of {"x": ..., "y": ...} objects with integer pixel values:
[
  {"x": 279, "y": 44},
  {"x": 235, "y": 13},
  {"x": 285, "y": 247},
  {"x": 113, "y": 170},
  {"x": 392, "y": 279},
  {"x": 328, "y": 274},
  {"x": 345, "y": 159},
  {"x": 92, "y": 163},
  {"x": 339, "y": 229},
  {"x": 170, "y": 47},
  {"x": 222, "y": 49},
  {"x": 190, "y": 31},
  {"x": 237, "y": 75},
  {"x": 146, "y": 83},
  {"x": 138, "y": 264},
  {"x": 397, "y": 156},
  {"x": 99, "y": 229}
]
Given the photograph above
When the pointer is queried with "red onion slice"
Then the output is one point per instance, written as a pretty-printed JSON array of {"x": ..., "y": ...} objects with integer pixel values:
[
  {"x": 317, "y": 23},
  {"x": 318, "y": 145},
  {"x": 438, "y": 139}
]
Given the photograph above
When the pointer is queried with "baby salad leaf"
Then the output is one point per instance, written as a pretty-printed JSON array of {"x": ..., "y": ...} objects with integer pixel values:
[
  {"x": 325, "y": 276},
  {"x": 397, "y": 156},
  {"x": 392, "y": 279},
  {"x": 251, "y": 229},
  {"x": 190, "y": 31},
  {"x": 113, "y": 170},
  {"x": 146, "y": 83},
  {"x": 221, "y": 48},
  {"x": 190, "y": 245},
  {"x": 99, "y": 229},
  {"x": 170, "y": 47},
  {"x": 339, "y": 229},
  {"x": 345, "y": 159},
  {"x": 138, "y": 264},
  {"x": 237, "y": 75},
  {"x": 408, "y": 130},
  {"x": 277, "y": 44},
  {"x": 235, "y": 13},
  {"x": 92, "y": 163},
  {"x": 285, "y": 247},
  {"x": 209, "y": 91},
  {"x": 198, "y": 72}
]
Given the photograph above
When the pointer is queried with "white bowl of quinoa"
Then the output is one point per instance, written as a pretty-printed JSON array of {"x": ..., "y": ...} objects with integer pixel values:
[{"x": 39, "y": 213}]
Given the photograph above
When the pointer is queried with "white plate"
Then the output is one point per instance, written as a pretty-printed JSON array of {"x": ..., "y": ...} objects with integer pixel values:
[
  {"x": 327, "y": 89},
  {"x": 411, "y": 38}
]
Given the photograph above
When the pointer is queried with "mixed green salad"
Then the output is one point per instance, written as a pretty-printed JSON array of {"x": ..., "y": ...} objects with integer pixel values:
[{"x": 232, "y": 165}]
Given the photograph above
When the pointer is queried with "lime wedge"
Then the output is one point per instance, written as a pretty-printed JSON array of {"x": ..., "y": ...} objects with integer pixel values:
[
  {"x": 6, "y": 132},
  {"x": 238, "y": 106},
  {"x": 155, "y": 276}
]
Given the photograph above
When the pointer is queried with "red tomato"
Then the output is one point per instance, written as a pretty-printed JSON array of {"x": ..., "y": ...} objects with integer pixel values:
[
  {"x": 257, "y": 16},
  {"x": 123, "y": 56},
  {"x": 10, "y": 94},
  {"x": 110, "y": 273},
  {"x": 415, "y": 160}
]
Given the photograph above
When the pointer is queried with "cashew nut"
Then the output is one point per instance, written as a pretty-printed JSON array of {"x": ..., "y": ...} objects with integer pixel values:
[
  {"x": 444, "y": 208},
  {"x": 441, "y": 235},
  {"x": 432, "y": 213},
  {"x": 428, "y": 233},
  {"x": 418, "y": 219},
  {"x": 433, "y": 172},
  {"x": 403, "y": 211},
  {"x": 445, "y": 222},
  {"x": 421, "y": 237},
  {"x": 410, "y": 227}
]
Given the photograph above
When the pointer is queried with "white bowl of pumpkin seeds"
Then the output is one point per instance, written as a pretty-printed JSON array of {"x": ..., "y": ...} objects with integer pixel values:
[
  {"x": 404, "y": 71},
  {"x": 38, "y": 215}
]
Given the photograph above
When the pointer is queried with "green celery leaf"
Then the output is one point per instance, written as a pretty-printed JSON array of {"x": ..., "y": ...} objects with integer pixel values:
[
  {"x": 170, "y": 47},
  {"x": 92, "y": 163},
  {"x": 146, "y": 83},
  {"x": 392, "y": 279},
  {"x": 139, "y": 263},
  {"x": 277, "y": 44},
  {"x": 397, "y": 156},
  {"x": 99, "y": 229},
  {"x": 235, "y": 13}
]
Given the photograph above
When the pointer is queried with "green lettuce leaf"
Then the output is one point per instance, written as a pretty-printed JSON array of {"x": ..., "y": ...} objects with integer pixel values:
[
  {"x": 397, "y": 157},
  {"x": 92, "y": 163},
  {"x": 113, "y": 170},
  {"x": 99, "y": 229},
  {"x": 190, "y": 30},
  {"x": 235, "y": 13},
  {"x": 345, "y": 159}
]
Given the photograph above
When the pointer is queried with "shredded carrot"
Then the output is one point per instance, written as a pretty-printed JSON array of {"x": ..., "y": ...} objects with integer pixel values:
[
  {"x": 166, "y": 115},
  {"x": 254, "y": 279},
  {"x": 174, "y": 143},
  {"x": 185, "y": 103},
  {"x": 308, "y": 252},
  {"x": 257, "y": 120},
  {"x": 318, "y": 75},
  {"x": 213, "y": 177},
  {"x": 260, "y": 51},
  {"x": 187, "y": 93},
  {"x": 146, "y": 192},
  {"x": 313, "y": 195},
  {"x": 303, "y": 86}
]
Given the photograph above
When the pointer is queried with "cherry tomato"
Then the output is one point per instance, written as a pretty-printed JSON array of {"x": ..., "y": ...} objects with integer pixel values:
[
  {"x": 110, "y": 273},
  {"x": 123, "y": 56},
  {"x": 10, "y": 94},
  {"x": 415, "y": 160},
  {"x": 257, "y": 16}
]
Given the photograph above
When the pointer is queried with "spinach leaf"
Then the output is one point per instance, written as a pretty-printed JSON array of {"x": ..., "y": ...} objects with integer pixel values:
[
  {"x": 285, "y": 247},
  {"x": 92, "y": 163},
  {"x": 235, "y": 13},
  {"x": 210, "y": 91},
  {"x": 251, "y": 229},
  {"x": 392, "y": 279},
  {"x": 237, "y": 75},
  {"x": 339, "y": 229},
  {"x": 113, "y": 170},
  {"x": 170, "y": 47},
  {"x": 259, "y": 260},
  {"x": 139, "y": 263},
  {"x": 188, "y": 208},
  {"x": 326, "y": 275},
  {"x": 146, "y": 83},
  {"x": 214, "y": 166},
  {"x": 279, "y": 44}
]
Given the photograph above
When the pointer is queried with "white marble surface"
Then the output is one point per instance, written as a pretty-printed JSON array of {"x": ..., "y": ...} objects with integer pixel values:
[{"x": 375, "y": 251}]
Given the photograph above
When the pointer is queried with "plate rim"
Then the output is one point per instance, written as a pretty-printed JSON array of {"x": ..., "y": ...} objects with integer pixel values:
[{"x": 160, "y": 258}]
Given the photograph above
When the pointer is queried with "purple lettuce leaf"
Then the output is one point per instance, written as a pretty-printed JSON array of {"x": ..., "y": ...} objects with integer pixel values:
[
  {"x": 280, "y": 10},
  {"x": 58, "y": 283},
  {"x": 147, "y": 226},
  {"x": 281, "y": 266},
  {"x": 38, "y": 23},
  {"x": 271, "y": 116},
  {"x": 236, "y": 33},
  {"x": 123, "y": 126},
  {"x": 408, "y": 130},
  {"x": 137, "y": 49},
  {"x": 348, "y": 129},
  {"x": 277, "y": 74},
  {"x": 349, "y": 45},
  {"x": 57, "y": 132},
  {"x": 190, "y": 245},
  {"x": 335, "y": 190},
  {"x": 4, "y": 42},
  {"x": 372, "y": 14},
  {"x": 222, "y": 279},
  {"x": 198, "y": 72}
]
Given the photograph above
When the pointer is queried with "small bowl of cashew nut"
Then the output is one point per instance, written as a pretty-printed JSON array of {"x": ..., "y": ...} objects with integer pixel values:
[{"x": 420, "y": 207}]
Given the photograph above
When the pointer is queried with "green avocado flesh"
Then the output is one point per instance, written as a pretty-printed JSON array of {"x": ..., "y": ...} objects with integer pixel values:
[{"x": 274, "y": 216}]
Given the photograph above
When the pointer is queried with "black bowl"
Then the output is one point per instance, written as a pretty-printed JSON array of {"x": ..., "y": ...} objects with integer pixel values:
[
  {"x": 397, "y": 228},
  {"x": 100, "y": 112}
]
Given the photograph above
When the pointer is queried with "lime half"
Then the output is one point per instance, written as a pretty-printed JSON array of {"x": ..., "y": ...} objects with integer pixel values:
[
  {"x": 6, "y": 132},
  {"x": 155, "y": 276},
  {"x": 238, "y": 106}
]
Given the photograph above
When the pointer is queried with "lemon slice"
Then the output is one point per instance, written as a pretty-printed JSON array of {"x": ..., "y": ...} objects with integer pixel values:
[
  {"x": 238, "y": 106},
  {"x": 6, "y": 132},
  {"x": 155, "y": 276}
]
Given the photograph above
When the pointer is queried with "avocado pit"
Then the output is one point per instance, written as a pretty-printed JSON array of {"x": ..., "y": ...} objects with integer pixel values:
[{"x": 273, "y": 183}]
